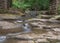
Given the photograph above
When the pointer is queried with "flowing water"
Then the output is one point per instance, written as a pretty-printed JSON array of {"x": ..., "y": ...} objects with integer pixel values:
[{"x": 26, "y": 29}]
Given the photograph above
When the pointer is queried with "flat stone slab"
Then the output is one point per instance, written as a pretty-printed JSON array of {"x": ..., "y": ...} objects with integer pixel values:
[
  {"x": 8, "y": 25},
  {"x": 34, "y": 36},
  {"x": 45, "y": 20}
]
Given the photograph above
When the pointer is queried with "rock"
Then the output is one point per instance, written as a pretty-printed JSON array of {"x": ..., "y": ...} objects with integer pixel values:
[
  {"x": 46, "y": 16},
  {"x": 58, "y": 37},
  {"x": 41, "y": 41},
  {"x": 57, "y": 17},
  {"x": 24, "y": 37},
  {"x": 50, "y": 35},
  {"x": 56, "y": 29},
  {"x": 36, "y": 19},
  {"x": 8, "y": 25},
  {"x": 30, "y": 41},
  {"x": 54, "y": 21}
]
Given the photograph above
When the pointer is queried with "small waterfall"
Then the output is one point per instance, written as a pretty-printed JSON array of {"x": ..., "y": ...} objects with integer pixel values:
[
  {"x": 2, "y": 39},
  {"x": 26, "y": 27}
]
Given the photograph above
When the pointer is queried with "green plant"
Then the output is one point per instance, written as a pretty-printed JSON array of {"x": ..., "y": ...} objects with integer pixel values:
[
  {"x": 19, "y": 4},
  {"x": 38, "y": 4}
]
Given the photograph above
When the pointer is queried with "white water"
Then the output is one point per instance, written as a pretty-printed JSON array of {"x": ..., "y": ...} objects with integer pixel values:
[
  {"x": 26, "y": 27},
  {"x": 2, "y": 39}
]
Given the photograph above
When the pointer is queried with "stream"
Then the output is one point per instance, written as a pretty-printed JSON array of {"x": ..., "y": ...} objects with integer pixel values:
[{"x": 39, "y": 35}]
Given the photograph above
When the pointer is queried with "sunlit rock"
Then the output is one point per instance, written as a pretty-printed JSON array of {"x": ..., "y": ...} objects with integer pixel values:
[
  {"x": 42, "y": 41},
  {"x": 8, "y": 25},
  {"x": 56, "y": 29}
]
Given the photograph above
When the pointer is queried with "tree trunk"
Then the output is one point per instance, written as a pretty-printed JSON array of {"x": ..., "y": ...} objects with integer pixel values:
[
  {"x": 53, "y": 7},
  {"x": 5, "y": 5}
]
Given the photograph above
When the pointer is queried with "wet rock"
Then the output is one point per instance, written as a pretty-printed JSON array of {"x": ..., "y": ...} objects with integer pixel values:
[
  {"x": 36, "y": 19},
  {"x": 51, "y": 36},
  {"x": 38, "y": 38},
  {"x": 15, "y": 41},
  {"x": 42, "y": 41},
  {"x": 46, "y": 16},
  {"x": 54, "y": 21},
  {"x": 57, "y": 17},
  {"x": 56, "y": 29},
  {"x": 30, "y": 41}
]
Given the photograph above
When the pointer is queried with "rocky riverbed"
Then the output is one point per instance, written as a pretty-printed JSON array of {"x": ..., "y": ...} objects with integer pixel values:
[
  {"x": 43, "y": 31},
  {"x": 37, "y": 36}
]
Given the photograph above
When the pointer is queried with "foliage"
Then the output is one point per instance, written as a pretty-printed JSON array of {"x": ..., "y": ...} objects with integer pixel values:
[
  {"x": 19, "y": 4},
  {"x": 38, "y": 4}
]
